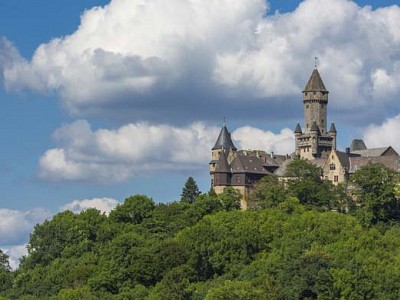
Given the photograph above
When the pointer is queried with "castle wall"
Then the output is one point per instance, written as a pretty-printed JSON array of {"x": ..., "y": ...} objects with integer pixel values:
[{"x": 333, "y": 169}]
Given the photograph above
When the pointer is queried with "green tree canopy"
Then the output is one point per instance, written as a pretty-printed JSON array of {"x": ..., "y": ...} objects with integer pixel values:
[
  {"x": 190, "y": 191},
  {"x": 306, "y": 184},
  {"x": 375, "y": 188},
  {"x": 5, "y": 272},
  {"x": 134, "y": 210},
  {"x": 269, "y": 192}
]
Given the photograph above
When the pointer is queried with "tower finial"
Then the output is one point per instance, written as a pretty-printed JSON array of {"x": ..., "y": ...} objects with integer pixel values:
[
  {"x": 316, "y": 62},
  {"x": 224, "y": 123}
]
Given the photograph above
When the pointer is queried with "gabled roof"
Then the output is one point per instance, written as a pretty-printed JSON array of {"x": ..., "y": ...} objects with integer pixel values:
[
  {"x": 281, "y": 171},
  {"x": 343, "y": 159},
  {"x": 222, "y": 164},
  {"x": 357, "y": 144},
  {"x": 392, "y": 162},
  {"x": 374, "y": 152},
  {"x": 248, "y": 164},
  {"x": 315, "y": 83},
  {"x": 224, "y": 140}
]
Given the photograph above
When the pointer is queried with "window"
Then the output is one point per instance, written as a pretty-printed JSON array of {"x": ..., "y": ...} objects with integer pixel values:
[
  {"x": 332, "y": 167},
  {"x": 335, "y": 178},
  {"x": 307, "y": 106}
]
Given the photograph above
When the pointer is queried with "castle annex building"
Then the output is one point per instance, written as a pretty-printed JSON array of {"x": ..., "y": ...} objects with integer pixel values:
[{"x": 242, "y": 169}]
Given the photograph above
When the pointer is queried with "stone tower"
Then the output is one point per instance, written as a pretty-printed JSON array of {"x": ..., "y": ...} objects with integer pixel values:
[
  {"x": 315, "y": 141},
  {"x": 222, "y": 154}
]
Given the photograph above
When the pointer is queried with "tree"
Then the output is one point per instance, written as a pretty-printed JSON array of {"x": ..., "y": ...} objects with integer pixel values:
[
  {"x": 375, "y": 188},
  {"x": 269, "y": 192},
  {"x": 303, "y": 169},
  {"x": 306, "y": 184},
  {"x": 240, "y": 290},
  {"x": 134, "y": 210},
  {"x": 5, "y": 273},
  {"x": 190, "y": 191},
  {"x": 230, "y": 199}
]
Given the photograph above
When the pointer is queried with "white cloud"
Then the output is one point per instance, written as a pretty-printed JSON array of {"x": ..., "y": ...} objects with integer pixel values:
[
  {"x": 105, "y": 205},
  {"x": 16, "y": 225},
  {"x": 116, "y": 155},
  {"x": 257, "y": 139},
  {"x": 179, "y": 59},
  {"x": 14, "y": 254},
  {"x": 384, "y": 134},
  {"x": 106, "y": 156}
]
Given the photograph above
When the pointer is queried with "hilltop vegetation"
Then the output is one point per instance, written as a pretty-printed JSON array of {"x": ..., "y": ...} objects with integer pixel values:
[{"x": 292, "y": 246}]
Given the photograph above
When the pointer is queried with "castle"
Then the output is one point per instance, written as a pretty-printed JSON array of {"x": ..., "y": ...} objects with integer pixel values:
[{"x": 242, "y": 169}]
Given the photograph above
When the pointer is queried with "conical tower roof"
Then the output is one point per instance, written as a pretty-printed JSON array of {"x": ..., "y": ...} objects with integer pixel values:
[
  {"x": 333, "y": 128},
  {"x": 315, "y": 83},
  {"x": 298, "y": 128},
  {"x": 222, "y": 164},
  {"x": 224, "y": 140}
]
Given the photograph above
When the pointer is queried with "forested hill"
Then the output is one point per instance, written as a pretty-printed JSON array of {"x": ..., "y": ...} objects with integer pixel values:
[{"x": 285, "y": 248}]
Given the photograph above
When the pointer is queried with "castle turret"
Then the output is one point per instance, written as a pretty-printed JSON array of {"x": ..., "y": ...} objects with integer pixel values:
[
  {"x": 333, "y": 133},
  {"x": 297, "y": 134},
  {"x": 223, "y": 147},
  {"x": 315, "y": 141},
  {"x": 315, "y": 99}
]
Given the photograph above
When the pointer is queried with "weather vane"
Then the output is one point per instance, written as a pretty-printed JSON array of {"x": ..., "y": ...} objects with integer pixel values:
[{"x": 316, "y": 61}]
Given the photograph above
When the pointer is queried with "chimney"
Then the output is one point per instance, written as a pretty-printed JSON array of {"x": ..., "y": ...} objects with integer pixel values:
[{"x": 347, "y": 150}]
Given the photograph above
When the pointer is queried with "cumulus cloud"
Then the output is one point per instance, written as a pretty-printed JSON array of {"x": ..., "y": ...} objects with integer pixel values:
[
  {"x": 384, "y": 134},
  {"x": 9, "y": 56},
  {"x": 116, "y": 155},
  {"x": 188, "y": 59},
  {"x": 14, "y": 254},
  {"x": 16, "y": 225},
  {"x": 105, "y": 205},
  {"x": 104, "y": 155},
  {"x": 254, "y": 138}
]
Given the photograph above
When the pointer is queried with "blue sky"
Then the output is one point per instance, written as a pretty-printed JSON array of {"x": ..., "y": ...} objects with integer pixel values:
[{"x": 130, "y": 98}]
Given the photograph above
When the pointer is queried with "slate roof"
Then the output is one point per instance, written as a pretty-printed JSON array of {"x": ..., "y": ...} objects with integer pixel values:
[
  {"x": 333, "y": 128},
  {"x": 248, "y": 164},
  {"x": 281, "y": 171},
  {"x": 298, "y": 128},
  {"x": 357, "y": 144},
  {"x": 372, "y": 152},
  {"x": 224, "y": 140},
  {"x": 319, "y": 162},
  {"x": 343, "y": 159},
  {"x": 392, "y": 162},
  {"x": 222, "y": 164},
  {"x": 315, "y": 83}
]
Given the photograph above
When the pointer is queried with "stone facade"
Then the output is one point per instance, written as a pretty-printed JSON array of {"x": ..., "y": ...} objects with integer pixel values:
[{"x": 315, "y": 141}]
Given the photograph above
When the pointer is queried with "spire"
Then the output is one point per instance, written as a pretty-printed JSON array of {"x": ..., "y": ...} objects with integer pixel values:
[
  {"x": 224, "y": 140},
  {"x": 333, "y": 128},
  {"x": 298, "y": 128},
  {"x": 315, "y": 83}
]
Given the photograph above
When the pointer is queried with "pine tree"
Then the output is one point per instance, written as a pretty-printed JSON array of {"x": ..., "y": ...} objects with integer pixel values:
[{"x": 190, "y": 191}]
